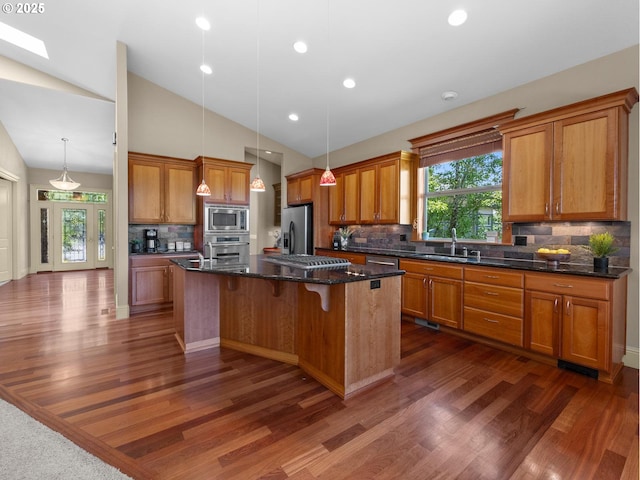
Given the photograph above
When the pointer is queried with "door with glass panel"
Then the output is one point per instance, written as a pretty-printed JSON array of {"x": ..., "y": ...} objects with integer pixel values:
[{"x": 79, "y": 236}]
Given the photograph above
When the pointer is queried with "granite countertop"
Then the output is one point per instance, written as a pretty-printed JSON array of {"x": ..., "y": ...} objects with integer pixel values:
[
  {"x": 567, "y": 268},
  {"x": 258, "y": 267},
  {"x": 169, "y": 253}
]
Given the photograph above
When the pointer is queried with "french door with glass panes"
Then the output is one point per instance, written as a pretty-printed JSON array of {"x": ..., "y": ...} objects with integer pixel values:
[{"x": 80, "y": 239}]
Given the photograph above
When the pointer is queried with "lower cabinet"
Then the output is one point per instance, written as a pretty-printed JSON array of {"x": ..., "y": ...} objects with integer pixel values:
[
  {"x": 580, "y": 320},
  {"x": 493, "y": 304},
  {"x": 353, "y": 257},
  {"x": 150, "y": 283},
  {"x": 432, "y": 291}
]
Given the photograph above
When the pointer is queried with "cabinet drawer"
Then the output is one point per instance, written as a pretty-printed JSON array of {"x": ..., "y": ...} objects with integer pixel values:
[
  {"x": 493, "y": 325},
  {"x": 432, "y": 268},
  {"x": 568, "y": 285},
  {"x": 353, "y": 257},
  {"x": 494, "y": 276},
  {"x": 505, "y": 300}
]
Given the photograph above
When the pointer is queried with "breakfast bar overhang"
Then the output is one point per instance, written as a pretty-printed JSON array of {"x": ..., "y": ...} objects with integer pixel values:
[{"x": 341, "y": 325}]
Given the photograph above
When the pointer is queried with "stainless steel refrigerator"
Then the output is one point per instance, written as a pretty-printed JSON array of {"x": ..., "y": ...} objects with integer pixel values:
[{"x": 297, "y": 230}]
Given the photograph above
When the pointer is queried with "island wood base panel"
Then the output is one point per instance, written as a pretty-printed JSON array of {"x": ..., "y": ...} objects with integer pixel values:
[{"x": 346, "y": 335}]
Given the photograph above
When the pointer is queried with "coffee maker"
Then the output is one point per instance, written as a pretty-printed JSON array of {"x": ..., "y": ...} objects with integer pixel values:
[{"x": 151, "y": 240}]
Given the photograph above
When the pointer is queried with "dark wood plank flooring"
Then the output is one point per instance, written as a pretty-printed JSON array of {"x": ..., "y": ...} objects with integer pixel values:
[{"x": 123, "y": 390}]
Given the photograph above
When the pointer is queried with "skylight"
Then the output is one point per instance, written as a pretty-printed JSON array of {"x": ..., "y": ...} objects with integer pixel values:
[{"x": 23, "y": 40}]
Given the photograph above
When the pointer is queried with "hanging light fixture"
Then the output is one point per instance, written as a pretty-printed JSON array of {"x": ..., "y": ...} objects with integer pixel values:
[
  {"x": 257, "y": 185},
  {"x": 64, "y": 181},
  {"x": 328, "y": 179},
  {"x": 203, "y": 189}
]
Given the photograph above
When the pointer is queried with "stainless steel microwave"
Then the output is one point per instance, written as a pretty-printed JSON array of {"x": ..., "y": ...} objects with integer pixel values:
[{"x": 224, "y": 218}]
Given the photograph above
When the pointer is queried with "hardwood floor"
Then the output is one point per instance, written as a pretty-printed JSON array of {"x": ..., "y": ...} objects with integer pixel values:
[{"x": 123, "y": 390}]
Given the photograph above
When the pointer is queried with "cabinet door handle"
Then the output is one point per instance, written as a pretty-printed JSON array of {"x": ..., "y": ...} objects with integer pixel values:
[
  {"x": 555, "y": 305},
  {"x": 424, "y": 282},
  {"x": 430, "y": 284},
  {"x": 493, "y": 294},
  {"x": 568, "y": 306},
  {"x": 492, "y": 276},
  {"x": 546, "y": 209},
  {"x": 428, "y": 269},
  {"x": 557, "y": 207},
  {"x": 490, "y": 320},
  {"x": 563, "y": 285}
]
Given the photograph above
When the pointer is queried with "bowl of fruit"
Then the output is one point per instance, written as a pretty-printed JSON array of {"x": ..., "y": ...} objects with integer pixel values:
[{"x": 554, "y": 256}]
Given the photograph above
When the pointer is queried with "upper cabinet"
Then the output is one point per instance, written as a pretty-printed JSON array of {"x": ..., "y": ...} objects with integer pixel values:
[
  {"x": 161, "y": 190},
  {"x": 569, "y": 163},
  {"x": 227, "y": 180},
  {"x": 301, "y": 187},
  {"x": 343, "y": 198},
  {"x": 376, "y": 191}
]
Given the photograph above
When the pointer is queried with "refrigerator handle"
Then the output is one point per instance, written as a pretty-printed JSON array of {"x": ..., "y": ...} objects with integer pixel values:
[{"x": 292, "y": 238}]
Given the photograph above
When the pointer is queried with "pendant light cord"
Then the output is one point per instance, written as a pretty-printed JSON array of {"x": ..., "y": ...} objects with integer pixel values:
[{"x": 258, "y": 86}]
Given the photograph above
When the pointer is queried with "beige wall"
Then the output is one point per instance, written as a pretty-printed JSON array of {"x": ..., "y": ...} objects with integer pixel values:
[
  {"x": 41, "y": 176},
  {"x": 605, "y": 75},
  {"x": 13, "y": 168},
  {"x": 163, "y": 123}
]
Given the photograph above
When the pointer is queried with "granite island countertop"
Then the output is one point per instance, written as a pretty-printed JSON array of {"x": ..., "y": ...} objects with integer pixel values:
[
  {"x": 566, "y": 268},
  {"x": 260, "y": 267}
]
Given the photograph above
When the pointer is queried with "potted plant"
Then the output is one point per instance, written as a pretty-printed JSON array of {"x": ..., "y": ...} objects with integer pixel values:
[
  {"x": 601, "y": 246},
  {"x": 135, "y": 245},
  {"x": 345, "y": 233}
]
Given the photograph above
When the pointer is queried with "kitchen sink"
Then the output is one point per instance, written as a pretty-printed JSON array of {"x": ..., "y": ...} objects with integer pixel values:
[{"x": 446, "y": 258}]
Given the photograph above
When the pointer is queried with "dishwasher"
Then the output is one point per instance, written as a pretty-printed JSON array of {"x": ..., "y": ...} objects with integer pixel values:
[{"x": 382, "y": 260}]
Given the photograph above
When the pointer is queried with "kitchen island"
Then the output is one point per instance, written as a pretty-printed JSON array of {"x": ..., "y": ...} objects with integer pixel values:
[{"x": 340, "y": 324}]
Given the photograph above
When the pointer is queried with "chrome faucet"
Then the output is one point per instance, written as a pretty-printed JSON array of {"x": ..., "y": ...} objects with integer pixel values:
[{"x": 454, "y": 239}]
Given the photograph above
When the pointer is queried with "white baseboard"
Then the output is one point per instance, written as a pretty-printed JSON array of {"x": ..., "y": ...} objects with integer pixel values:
[
  {"x": 123, "y": 312},
  {"x": 632, "y": 358}
]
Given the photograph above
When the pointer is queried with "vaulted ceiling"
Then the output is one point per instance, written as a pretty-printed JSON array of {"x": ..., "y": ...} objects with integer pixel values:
[{"x": 403, "y": 55}]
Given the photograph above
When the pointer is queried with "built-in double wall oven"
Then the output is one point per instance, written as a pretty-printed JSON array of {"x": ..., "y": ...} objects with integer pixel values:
[{"x": 226, "y": 235}]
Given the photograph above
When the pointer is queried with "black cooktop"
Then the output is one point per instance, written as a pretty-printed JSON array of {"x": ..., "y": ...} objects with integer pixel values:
[{"x": 307, "y": 262}]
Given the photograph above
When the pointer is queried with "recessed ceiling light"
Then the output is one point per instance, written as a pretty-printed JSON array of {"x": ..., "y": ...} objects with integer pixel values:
[
  {"x": 349, "y": 83},
  {"x": 23, "y": 40},
  {"x": 449, "y": 95},
  {"x": 300, "y": 47},
  {"x": 268, "y": 152},
  {"x": 206, "y": 69},
  {"x": 293, "y": 117},
  {"x": 457, "y": 17},
  {"x": 203, "y": 23}
]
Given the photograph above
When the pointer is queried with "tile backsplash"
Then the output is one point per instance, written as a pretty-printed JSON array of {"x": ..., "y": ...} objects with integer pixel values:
[
  {"x": 570, "y": 235},
  {"x": 166, "y": 233}
]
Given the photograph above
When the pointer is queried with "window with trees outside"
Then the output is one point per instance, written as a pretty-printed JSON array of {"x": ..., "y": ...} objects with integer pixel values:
[{"x": 460, "y": 182}]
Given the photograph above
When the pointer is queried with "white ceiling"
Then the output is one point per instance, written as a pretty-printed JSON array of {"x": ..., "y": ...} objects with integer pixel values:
[{"x": 402, "y": 54}]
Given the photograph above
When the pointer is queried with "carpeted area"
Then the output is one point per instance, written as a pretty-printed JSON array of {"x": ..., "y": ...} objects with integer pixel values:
[{"x": 31, "y": 451}]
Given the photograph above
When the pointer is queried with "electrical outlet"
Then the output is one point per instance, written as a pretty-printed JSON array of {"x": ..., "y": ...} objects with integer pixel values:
[{"x": 403, "y": 237}]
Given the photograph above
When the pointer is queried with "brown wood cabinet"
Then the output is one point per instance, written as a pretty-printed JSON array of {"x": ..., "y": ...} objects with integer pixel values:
[
  {"x": 493, "y": 304},
  {"x": 580, "y": 320},
  {"x": 227, "y": 179},
  {"x": 568, "y": 163},
  {"x": 343, "y": 198},
  {"x": 150, "y": 283},
  {"x": 380, "y": 190},
  {"x": 432, "y": 291},
  {"x": 161, "y": 190},
  {"x": 353, "y": 257},
  {"x": 301, "y": 187}
]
